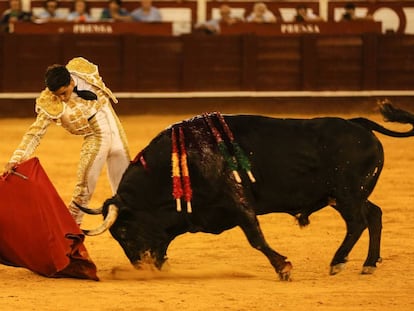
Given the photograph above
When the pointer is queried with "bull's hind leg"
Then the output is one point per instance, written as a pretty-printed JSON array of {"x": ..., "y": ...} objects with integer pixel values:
[
  {"x": 355, "y": 225},
  {"x": 374, "y": 219},
  {"x": 251, "y": 228}
]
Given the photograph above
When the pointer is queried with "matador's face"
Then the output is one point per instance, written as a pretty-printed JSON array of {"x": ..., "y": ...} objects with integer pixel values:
[{"x": 65, "y": 92}]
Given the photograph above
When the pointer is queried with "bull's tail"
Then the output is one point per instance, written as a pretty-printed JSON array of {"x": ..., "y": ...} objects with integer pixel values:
[{"x": 390, "y": 114}]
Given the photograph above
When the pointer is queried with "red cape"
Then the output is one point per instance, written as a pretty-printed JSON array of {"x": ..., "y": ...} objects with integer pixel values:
[{"x": 37, "y": 231}]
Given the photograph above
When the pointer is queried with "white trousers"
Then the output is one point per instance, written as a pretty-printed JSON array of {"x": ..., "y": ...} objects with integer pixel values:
[{"x": 108, "y": 146}]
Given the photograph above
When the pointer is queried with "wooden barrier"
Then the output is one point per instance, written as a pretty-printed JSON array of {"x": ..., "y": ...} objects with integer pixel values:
[
  {"x": 107, "y": 28},
  {"x": 247, "y": 62},
  {"x": 272, "y": 29}
]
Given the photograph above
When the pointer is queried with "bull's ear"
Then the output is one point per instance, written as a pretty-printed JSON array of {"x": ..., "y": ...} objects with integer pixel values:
[{"x": 107, "y": 223}]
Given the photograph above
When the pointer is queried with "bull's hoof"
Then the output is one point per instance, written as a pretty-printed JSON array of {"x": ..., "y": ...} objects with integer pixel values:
[
  {"x": 166, "y": 267},
  {"x": 145, "y": 266},
  {"x": 335, "y": 269},
  {"x": 284, "y": 274},
  {"x": 368, "y": 270}
]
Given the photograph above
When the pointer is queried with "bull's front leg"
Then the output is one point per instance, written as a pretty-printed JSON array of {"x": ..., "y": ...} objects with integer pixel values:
[{"x": 251, "y": 228}]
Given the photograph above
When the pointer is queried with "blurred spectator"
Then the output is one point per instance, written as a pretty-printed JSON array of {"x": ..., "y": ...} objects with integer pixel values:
[
  {"x": 115, "y": 12},
  {"x": 146, "y": 12},
  {"x": 212, "y": 26},
  {"x": 350, "y": 13},
  {"x": 50, "y": 12},
  {"x": 13, "y": 14},
  {"x": 80, "y": 12},
  {"x": 261, "y": 14},
  {"x": 304, "y": 15}
]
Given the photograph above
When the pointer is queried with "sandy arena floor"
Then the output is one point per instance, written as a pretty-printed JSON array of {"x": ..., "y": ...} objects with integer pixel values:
[{"x": 222, "y": 272}]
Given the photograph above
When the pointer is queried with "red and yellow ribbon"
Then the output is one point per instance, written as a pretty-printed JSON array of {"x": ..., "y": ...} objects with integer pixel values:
[
  {"x": 180, "y": 172},
  {"x": 176, "y": 176},
  {"x": 188, "y": 193}
]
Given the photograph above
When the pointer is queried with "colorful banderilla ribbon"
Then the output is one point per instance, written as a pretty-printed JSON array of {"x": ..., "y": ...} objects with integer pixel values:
[
  {"x": 241, "y": 157},
  {"x": 180, "y": 173},
  {"x": 176, "y": 174},
  {"x": 230, "y": 160},
  {"x": 188, "y": 192}
]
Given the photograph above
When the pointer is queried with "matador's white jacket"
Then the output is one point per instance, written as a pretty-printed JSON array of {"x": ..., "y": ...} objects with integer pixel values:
[
  {"x": 73, "y": 115},
  {"x": 104, "y": 138}
]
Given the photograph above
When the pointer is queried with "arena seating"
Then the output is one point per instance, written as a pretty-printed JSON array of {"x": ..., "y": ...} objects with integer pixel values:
[{"x": 396, "y": 16}]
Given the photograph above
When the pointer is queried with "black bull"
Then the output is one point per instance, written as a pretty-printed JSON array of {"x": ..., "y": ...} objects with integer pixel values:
[{"x": 299, "y": 166}]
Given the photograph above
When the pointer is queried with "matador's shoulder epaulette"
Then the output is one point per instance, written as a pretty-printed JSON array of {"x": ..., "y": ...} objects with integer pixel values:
[
  {"x": 84, "y": 69},
  {"x": 82, "y": 66},
  {"x": 50, "y": 104}
]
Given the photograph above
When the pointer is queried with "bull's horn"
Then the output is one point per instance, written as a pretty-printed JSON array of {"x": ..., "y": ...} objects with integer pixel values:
[
  {"x": 87, "y": 210},
  {"x": 107, "y": 223}
]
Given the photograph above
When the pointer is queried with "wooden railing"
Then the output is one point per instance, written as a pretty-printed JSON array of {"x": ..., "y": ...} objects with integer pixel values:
[
  {"x": 242, "y": 62},
  {"x": 340, "y": 28},
  {"x": 108, "y": 28}
]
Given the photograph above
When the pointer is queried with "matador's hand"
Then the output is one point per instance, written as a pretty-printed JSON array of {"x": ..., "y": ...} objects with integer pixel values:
[{"x": 9, "y": 168}]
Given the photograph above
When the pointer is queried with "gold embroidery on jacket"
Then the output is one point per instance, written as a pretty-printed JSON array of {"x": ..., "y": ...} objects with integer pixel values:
[
  {"x": 87, "y": 71},
  {"x": 75, "y": 119},
  {"x": 50, "y": 104},
  {"x": 90, "y": 149},
  {"x": 31, "y": 139},
  {"x": 73, "y": 115}
]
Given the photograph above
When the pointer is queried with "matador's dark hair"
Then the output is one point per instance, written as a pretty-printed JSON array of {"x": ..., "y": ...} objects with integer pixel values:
[{"x": 56, "y": 76}]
